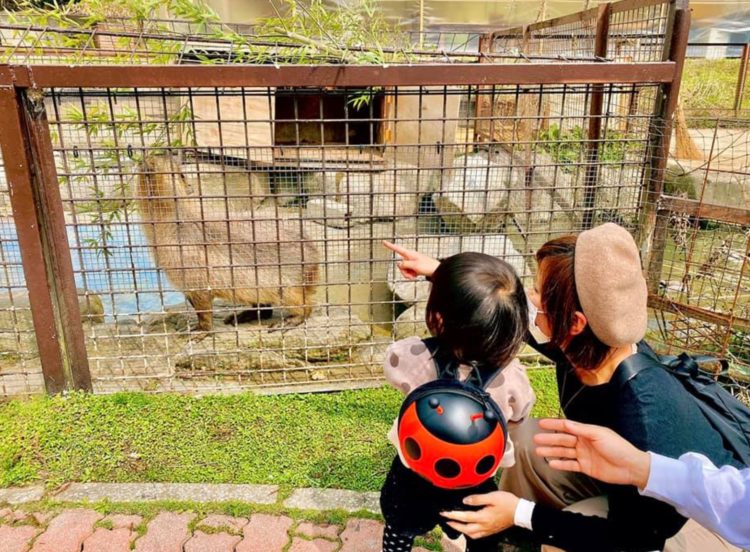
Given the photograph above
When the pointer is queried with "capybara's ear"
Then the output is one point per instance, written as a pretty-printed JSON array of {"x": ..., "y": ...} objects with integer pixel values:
[{"x": 147, "y": 165}]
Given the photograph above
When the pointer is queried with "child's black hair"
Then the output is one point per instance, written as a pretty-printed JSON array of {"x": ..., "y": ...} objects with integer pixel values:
[{"x": 477, "y": 308}]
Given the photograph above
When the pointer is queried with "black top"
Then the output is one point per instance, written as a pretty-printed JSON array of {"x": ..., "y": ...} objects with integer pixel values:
[{"x": 655, "y": 413}]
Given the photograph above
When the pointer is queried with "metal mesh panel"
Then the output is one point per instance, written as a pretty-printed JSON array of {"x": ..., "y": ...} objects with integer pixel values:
[
  {"x": 704, "y": 290},
  {"x": 230, "y": 237},
  {"x": 638, "y": 31},
  {"x": 20, "y": 369}
]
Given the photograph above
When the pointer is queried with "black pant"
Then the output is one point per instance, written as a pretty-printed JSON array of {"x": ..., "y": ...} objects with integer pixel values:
[{"x": 411, "y": 506}]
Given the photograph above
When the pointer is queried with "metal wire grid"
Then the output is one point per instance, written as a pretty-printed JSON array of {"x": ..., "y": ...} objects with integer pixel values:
[
  {"x": 568, "y": 39},
  {"x": 638, "y": 34},
  {"x": 20, "y": 369},
  {"x": 705, "y": 285},
  {"x": 118, "y": 41},
  {"x": 405, "y": 166}
]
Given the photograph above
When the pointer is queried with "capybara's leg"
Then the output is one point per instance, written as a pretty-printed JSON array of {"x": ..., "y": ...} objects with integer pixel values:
[
  {"x": 201, "y": 302},
  {"x": 263, "y": 312},
  {"x": 293, "y": 300}
]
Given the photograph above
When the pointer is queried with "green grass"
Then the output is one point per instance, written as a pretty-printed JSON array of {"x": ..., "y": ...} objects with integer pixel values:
[
  {"x": 335, "y": 440},
  {"x": 709, "y": 84}
]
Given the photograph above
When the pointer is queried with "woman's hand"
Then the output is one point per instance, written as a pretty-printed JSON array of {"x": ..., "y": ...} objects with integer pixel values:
[
  {"x": 414, "y": 263},
  {"x": 496, "y": 516}
]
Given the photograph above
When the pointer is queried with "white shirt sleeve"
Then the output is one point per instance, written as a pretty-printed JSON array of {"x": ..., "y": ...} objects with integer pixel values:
[
  {"x": 718, "y": 499},
  {"x": 522, "y": 515}
]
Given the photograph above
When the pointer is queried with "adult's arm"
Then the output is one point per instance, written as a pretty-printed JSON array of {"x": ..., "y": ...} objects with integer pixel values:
[
  {"x": 718, "y": 499},
  {"x": 633, "y": 522}
]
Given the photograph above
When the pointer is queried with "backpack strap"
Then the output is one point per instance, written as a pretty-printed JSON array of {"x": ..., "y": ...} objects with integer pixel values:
[
  {"x": 632, "y": 366},
  {"x": 694, "y": 366},
  {"x": 446, "y": 366}
]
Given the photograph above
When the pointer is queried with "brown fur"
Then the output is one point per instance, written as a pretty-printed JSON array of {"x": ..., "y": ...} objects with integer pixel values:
[{"x": 264, "y": 261}]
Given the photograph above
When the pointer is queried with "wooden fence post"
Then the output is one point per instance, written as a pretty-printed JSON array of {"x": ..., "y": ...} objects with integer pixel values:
[
  {"x": 741, "y": 80},
  {"x": 40, "y": 226},
  {"x": 596, "y": 109},
  {"x": 653, "y": 229}
]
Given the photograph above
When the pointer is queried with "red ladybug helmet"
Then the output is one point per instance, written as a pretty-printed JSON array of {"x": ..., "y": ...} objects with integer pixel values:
[{"x": 451, "y": 433}]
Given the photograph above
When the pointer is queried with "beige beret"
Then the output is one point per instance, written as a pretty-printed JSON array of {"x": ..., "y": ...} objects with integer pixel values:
[{"x": 610, "y": 284}]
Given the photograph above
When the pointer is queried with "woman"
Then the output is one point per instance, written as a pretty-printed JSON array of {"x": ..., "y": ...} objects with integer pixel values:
[{"x": 588, "y": 313}]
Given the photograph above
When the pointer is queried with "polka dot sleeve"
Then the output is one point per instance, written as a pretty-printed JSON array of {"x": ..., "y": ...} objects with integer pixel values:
[{"x": 408, "y": 364}]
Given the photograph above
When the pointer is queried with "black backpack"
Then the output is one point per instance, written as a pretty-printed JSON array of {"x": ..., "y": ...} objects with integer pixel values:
[{"x": 727, "y": 415}]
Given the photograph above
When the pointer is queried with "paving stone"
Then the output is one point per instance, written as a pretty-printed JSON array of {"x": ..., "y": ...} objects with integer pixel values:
[
  {"x": 104, "y": 540},
  {"x": 16, "y": 539},
  {"x": 216, "y": 521},
  {"x": 5, "y": 513},
  {"x": 265, "y": 533},
  {"x": 167, "y": 532},
  {"x": 66, "y": 532},
  {"x": 315, "y": 545},
  {"x": 41, "y": 517},
  {"x": 19, "y": 495},
  {"x": 362, "y": 535},
  {"x": 19, "y": 516},
  {"x": 333, "y": 499},
  {"x": 188, "y": 492},
  {"x": 313, "y": 531},
  {"x": 119, "y": 521},
  {"x": 217, "y": 542}
]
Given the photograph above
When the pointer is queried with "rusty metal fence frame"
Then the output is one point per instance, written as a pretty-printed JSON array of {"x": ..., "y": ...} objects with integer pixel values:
[{"x": 35, "y": 194}]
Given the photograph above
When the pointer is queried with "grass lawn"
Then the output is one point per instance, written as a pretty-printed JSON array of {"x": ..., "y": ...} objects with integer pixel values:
[
  {"x": 710, "y": 83},
  {"x": 313, "y": 440}
]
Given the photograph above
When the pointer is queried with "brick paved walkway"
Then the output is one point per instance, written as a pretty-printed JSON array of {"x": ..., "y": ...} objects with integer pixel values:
[{"x": 81, "y": 530}]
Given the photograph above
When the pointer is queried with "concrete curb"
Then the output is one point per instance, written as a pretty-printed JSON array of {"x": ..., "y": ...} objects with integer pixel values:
[
  {"x": 21, "y": 495},
  {"x": 146, "y": 492},
  {"x": 303, "y": 499}
]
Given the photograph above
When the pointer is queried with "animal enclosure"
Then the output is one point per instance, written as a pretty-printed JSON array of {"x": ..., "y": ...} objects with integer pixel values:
[{"x": 204, "y": 224}]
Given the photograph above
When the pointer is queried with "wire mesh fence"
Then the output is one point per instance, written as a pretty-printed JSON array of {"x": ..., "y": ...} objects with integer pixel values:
[
  {"x": 277, "y": 199},
  {"x": 223, "y": 225},
  {"x": 22, "y": 372},
  {"x": 703, "y": 297},
  {"x": 634, "y": 31}
]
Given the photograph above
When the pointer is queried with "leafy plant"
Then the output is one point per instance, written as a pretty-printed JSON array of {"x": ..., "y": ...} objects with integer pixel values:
[
  {"x": 112, "y": 129},
  {"x": 568, "y": 146},
  {"x": 300, "y": 33}
]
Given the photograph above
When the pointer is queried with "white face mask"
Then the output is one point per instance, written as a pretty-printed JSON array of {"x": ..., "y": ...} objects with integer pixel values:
[{"x": 540, "y": 337}]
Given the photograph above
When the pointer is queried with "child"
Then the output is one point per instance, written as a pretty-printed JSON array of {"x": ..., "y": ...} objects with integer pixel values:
[{"x": 477, "y": 312}]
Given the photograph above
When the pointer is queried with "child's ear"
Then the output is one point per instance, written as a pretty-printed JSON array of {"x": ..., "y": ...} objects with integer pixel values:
[
  {"x": 435, "y": 323},
  {"x": 579, "y": 323}
]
